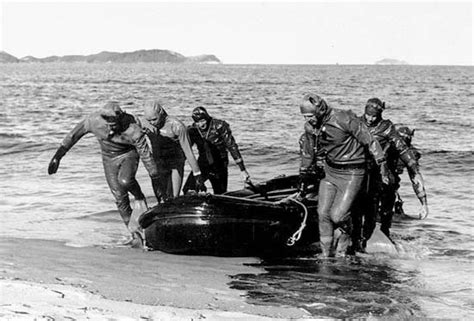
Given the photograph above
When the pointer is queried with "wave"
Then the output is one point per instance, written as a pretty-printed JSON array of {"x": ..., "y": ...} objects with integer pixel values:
[
  {"x": 449, "y": 123},
  {"x": 11, "y": 135},
  {"x": 17, "y": 148},
  {"x": 456, "y": 153}
]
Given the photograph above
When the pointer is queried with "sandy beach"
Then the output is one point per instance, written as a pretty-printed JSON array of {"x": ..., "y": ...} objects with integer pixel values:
[{"x": 48, "y": 280}]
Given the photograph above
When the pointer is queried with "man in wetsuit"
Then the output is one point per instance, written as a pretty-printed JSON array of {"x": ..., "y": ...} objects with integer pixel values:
[
  {"x": 122, "y": 143},
  {"x": 340, "y": 138},
  {"x": 377, "y": 198},
  {"x": 170, "y": 146},
  {"x": 406, "y": 134},
  {"x": 214, "y": 140}
]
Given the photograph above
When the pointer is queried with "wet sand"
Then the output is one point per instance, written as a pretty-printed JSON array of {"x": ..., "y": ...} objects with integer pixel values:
[{"x": 41, "y": 279}]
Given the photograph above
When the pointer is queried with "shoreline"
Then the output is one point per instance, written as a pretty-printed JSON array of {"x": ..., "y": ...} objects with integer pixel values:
[{"x": 41, "y": 278}]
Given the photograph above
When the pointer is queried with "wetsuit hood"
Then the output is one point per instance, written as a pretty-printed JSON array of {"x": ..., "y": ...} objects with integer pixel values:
[
  {"x": 154, "y": 113},
  {"x": 111, "y": 111},
  {"x": 200, "y": 113},
  {"x": 374, "y": 107},
  {"x": 373, "y": 111},
  {"x": 113, "y": 115},
  {"x": 312, "y": 104},
  {"x": 406, "y": 134}
]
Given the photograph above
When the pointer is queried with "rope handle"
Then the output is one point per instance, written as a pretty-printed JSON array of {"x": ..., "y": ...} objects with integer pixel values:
[{"x": 297, "y": 235}]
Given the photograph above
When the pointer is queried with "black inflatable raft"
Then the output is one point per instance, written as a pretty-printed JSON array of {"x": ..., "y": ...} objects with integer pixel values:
[{"x": 261, "y": 220}]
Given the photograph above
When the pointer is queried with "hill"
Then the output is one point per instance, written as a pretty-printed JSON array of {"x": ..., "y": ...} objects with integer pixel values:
[
  {"x": 6, "y": 57},
  {"x": 153, "y": 55},
  {"x": 389, "y": 61}
]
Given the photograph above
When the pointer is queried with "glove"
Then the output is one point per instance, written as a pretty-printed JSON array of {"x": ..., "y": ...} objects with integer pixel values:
[
  {"x": 200, "y": 186},
  {"x": 54, "y": 163},
  {"x": 423, "y": 212},
  {"x": 304, "y": 180},
  {"x": 246, "y": 177}
]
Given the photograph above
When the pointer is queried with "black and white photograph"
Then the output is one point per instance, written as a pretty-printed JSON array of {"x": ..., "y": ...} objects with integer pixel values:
[{"x": 236, "y": 160}]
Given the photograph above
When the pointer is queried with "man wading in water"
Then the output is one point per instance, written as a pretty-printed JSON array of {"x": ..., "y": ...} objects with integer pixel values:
[
  {"x": 375, "y": 198},
  {"x": 407, "y": 134},
  {"x": 341, "y": 138},
  {"x": 122, "y": 143}
]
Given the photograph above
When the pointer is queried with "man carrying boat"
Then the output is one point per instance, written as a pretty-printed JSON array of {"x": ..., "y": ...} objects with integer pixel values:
[
  {"x": 377, "y": 198},
  {"x": 214, "y": 140},
  {"x": 340, "y": 138},
  {"x": 122, "y": 143},
  {"x": 170, "y": 147}
]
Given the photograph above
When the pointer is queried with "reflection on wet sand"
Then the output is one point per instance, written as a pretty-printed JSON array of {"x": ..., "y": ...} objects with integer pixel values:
[{"x": 336, "y": 288}]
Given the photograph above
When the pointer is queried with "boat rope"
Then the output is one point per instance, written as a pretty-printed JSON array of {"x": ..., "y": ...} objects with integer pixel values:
[{"x": 297, "y": 235}]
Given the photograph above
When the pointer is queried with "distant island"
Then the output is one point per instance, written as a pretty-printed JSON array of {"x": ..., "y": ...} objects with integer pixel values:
[
  {"x": 389, "y": 61},
  {"x": 153, "y": 55}
]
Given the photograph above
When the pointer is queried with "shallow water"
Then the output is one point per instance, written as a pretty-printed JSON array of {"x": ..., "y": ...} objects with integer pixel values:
[{"x": 433, "y": 275}]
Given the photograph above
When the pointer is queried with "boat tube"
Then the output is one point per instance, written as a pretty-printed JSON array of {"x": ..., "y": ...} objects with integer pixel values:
[{"x": 265, "y": 219}]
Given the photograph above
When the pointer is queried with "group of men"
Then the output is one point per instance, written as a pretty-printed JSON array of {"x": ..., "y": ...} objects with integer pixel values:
[
  {"x": 355, "y": 161},
  {"x": 163, "y": 143}
]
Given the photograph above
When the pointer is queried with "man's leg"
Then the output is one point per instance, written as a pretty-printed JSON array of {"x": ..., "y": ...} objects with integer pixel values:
[
  {"x": 371, "y": 206},
  {"x": 327, "y": 192},
  {"x": 357, "y": 215},
  {"x": 126, "y": 175},
  {"x": 386, "y": 210},
  {"x": 190, "y": 184},
  {"x": 111, "y": 170},
  {"x": 348, "y": 188},
  {"x": 162, "y": 184},
  {"x": 218, "y": 178},
  {"x": 177, "y": 179}
]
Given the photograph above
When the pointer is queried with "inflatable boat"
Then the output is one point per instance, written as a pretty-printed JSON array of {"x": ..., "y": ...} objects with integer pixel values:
[{"x": 265, "y": 219}]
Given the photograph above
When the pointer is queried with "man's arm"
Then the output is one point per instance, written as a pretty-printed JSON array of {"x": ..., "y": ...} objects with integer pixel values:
[
  {"x": 82, "y": 128},
  {"x": 410, "y": 160},
  {"x": 180, "y": 130},
  {"x": 417, "y": 181},
  {"x": 138, "y": 137},
  {"x": 231, "y": 145},
  {"x": 307, "y": 155}
]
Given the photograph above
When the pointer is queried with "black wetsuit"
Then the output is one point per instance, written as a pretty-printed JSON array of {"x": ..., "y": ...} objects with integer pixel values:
[
  {"x": 376, "y": 198},
  {"x": 213, "y": 146},
  {"x": 342, "y": 139}
]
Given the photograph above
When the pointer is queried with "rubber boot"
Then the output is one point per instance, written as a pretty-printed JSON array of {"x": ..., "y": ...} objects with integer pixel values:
[
  {"x": 136, "y": 241},
  {"x": 138, "y": 234},
  {"x": 139, "y": 207},
  {"x": 343, "y": 242}
]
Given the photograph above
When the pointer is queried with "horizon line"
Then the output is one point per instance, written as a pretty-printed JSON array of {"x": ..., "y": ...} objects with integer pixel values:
[{"x": 249, "y": 63}]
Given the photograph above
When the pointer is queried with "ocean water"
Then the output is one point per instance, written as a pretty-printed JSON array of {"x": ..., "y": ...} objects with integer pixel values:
[{"x": 432, "y": 276}]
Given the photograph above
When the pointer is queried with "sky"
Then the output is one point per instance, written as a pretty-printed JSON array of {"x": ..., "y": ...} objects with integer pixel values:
[{"x": 246, "y": 32}]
